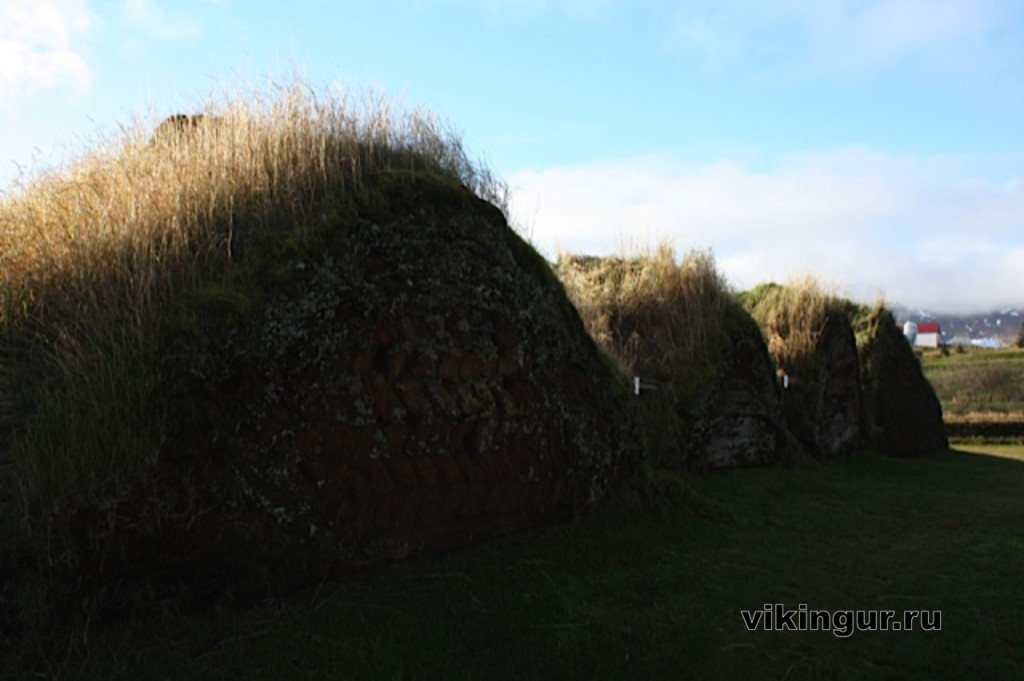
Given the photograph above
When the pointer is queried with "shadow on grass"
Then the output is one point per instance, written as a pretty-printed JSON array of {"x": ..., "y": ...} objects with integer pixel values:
[{"x": 626, "y": 593}]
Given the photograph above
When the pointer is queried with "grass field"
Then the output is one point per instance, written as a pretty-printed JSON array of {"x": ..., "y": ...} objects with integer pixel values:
[
  {"x": 978, "y": 381},
  {"x": 982, "y": 393},
  {"x": 625, "y": 593}
]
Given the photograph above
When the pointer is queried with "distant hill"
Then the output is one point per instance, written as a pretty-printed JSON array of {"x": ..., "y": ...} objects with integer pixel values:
[{"x": 1001, "y": 324}]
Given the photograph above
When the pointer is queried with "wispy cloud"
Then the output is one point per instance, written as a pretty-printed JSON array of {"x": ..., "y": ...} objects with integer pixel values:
[
  {"x": 152, "y": 19},
  {"x": 911, "y": 228},
  {"x": 946, "y": 38},
  {"x": 40, "y": 46}
]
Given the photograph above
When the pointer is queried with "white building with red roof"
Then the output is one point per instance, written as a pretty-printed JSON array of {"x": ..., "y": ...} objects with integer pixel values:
[{"x": 927, "y": 335}]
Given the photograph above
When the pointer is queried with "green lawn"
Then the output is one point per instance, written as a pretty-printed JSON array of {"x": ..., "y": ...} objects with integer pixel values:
[
  {"x": 1012, "y": 355},
  {"x": 627, "y": 594}
]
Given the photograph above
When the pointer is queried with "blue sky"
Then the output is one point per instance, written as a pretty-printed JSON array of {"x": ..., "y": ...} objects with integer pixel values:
[{"x": 878, "y": 145}]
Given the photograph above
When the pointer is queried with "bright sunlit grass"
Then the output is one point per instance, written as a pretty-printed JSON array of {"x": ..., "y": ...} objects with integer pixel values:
[
  {"x": 1005, "y": 451},
  {"x": 92, "y": 258},
  {"x": 793, "y": 318},
  {"x": 653, "y": 314}
]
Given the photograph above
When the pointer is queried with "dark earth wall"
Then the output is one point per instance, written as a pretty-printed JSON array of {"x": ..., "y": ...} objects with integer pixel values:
[
  {"x": 737, "y": 420},
  {"x": 409, "y": 378},
  {"x": 839, "y": 416},
  {"x": 902, "y": 409}
]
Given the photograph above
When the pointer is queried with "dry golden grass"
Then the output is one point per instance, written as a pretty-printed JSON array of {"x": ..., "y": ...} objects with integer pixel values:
[
  {"x": 92, "y": 257},
  {"x": 653, "y": 315},
  {"x": 660, "y": 320},
  {"x": 792, "y": 317},
  {"x": 132, "y": 204}
]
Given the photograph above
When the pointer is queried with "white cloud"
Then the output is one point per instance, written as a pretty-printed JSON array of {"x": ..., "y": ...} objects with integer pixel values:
[
  {"x": 868, "y": 222},
  {"x": 39, "y": 46}
]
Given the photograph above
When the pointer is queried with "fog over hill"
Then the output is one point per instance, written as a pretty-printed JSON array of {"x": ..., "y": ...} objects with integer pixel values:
[{"x": 1002, "y": 324}]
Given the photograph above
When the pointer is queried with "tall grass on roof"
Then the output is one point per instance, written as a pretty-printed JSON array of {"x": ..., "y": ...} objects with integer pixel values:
[
  {"x": 92, "y": 257},
  {"x": 658, "y": 318},
  {"x": 652, "y": 314},
  {"x": 793, "y": 317}
]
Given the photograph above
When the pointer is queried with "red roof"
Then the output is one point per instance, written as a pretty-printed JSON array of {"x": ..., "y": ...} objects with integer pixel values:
[{"x": 930, "y": 327}]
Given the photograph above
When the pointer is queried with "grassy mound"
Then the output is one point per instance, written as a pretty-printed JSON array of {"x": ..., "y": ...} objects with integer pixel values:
[
  {"x": 290, "y": 336},
  {"x": 94, "y": 259},
  {"x": 902, "y": 411},
  {"x": 676, "y": 328},
  {"x": 408, "y": 378},
  {"x": 812, "y": 342},
  {"x": 657, "y": 318}
]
